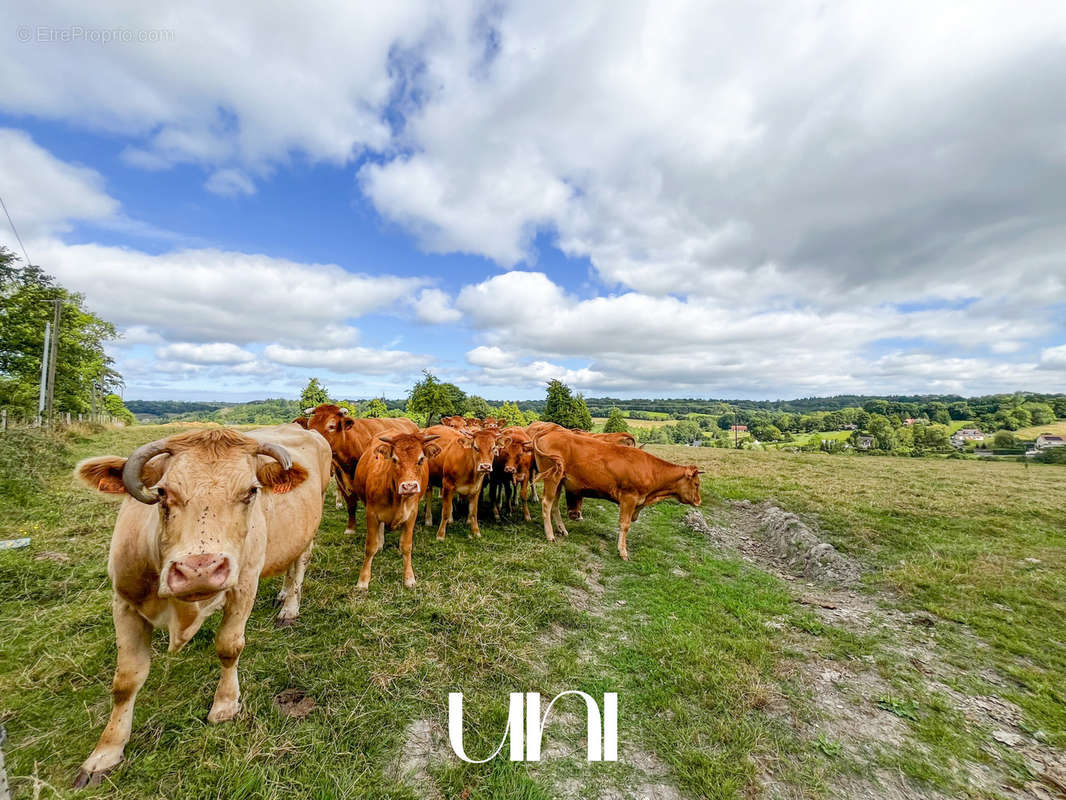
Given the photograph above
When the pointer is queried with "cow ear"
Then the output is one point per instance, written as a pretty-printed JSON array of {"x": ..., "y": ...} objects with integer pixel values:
[
  {"x": 504, "y": 441},
  {"x": 278, "y": 479},
  {"x": 346, "y": 423},
  {"x": 431, "y": 450},
  {"x": 102, "y": 473},
  {"x": 527, "y": 446},
  {"x": 383, "y": 450}
]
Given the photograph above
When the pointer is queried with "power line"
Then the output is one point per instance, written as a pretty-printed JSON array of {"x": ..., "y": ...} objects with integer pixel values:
[{"x": 12, "y": 224}]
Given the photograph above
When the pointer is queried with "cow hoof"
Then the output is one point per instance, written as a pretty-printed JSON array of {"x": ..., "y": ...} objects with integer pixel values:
[
  {"x": 284, "y": 622},
  {"x": 551, "y": 539},
  {"x": 624, "y": 554},
  {"x": 280, "y": 599},
  {"x": 440, "y": 537},
  {"x": 92, "y": 778},
  {"x": 223, "y": 712},
  {"x": 409, "y": 583},
  {"x": 349, "y": 531}
]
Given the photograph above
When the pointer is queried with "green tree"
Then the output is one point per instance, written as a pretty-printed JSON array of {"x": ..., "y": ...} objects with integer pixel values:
[
  {"x": 376, "y": 408},
  {"x": 511, "y": 414},
  {"x": 84, "y": 371},
  {"x": 616, "y": 423},
  {"x": 1003, "y": 440},
  {"x": 766, "y": 433},
  {"x": 432, "y": 399},
  {"x": 566, "y": 409},
  {"x": 1040, "y": 413},
  {"x": 884, "y": 434},
  {"x": 114, "y": 407},
  {"x": 314, "y": 394},
  {"x": 1059, "y": 405},
  {"x": 478, "y": 407}
]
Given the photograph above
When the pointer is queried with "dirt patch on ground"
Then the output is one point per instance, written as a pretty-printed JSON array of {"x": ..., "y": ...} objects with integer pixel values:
[
  {"x": 856, "y": 709},
  {"x": 295, "y": 703},
  {"x": 424, "y": 743},
  {"x": 770, "y": 535}
]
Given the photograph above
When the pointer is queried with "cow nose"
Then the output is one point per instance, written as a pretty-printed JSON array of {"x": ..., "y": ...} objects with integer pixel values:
[
  {"x": 205, "y": 573},
  {"x": 484, "y": 466},
  {"x": 409, "y": 487},
  {"x": 509, "y": 469}
]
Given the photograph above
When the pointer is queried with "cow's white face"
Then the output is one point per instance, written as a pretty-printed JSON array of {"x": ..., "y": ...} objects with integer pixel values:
[{"x": 207, "y": 487}]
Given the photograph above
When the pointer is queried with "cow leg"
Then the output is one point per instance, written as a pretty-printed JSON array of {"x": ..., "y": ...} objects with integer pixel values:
[
  {"x": 573, "y": 506},
  {"x": 471, "y": 511},
  {"x": 373, "y": 533},
  {"x": 406, "y": 538},
  {"x": 229, "y": 642},
  {"x": 353, "y": 506},
  {"x": 626, "y": 509},
  {"x": 429, "y": 506},
  {"x": 557, "y": 516},
  {"x": 494, "y": 497},
  {"x": 339, "y": 496},
  {"x": 524, "y": 494},
  {"x": 549, "y": 502},
  {"x": 446, "y": 494},
  {"x": 133, "y": 637},
  {"x": 292, "y": 588}
]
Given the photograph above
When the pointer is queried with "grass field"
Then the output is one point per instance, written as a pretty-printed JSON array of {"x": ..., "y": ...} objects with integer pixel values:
[
  {"x": 707, "y": 652},
  {"x": 1057, "y": 428},
  {"x": 634, "y": 424}
]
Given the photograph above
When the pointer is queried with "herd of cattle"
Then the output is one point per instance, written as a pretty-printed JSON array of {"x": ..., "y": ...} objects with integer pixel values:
[{"x": 209, "y": 513}]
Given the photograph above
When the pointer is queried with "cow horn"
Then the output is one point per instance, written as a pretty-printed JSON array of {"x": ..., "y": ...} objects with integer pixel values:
[
  {"x": 388, "y": 438},
  {"x": 465, "y": 432},
  {"x": 430, "y": 438},
  {"x": 309, "y": 411},
  {"x": 131, "y": 472},
  {"x": 344, "y": 411},
  {"x": 276, "y": 452}
]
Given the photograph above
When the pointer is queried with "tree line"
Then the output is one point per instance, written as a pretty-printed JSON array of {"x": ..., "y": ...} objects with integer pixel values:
[{"x": 86, "y": 381}]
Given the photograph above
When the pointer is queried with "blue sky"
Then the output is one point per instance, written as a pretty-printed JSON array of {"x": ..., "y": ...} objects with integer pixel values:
[{"x": 642, "y": 201}]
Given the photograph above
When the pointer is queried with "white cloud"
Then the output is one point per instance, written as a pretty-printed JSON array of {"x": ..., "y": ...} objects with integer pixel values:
[
  {"x": 435, "y": 307},
  {"x": 1054, "y": 358},
  {"x": 212, "y": 353},
  {"x": 229, "y": 182},
  {"x": 228, "y": 84},
  {"x": 44, "y": 194},
  {"x": 349, "y": 360},
  {"x": 209, "y": 295}
]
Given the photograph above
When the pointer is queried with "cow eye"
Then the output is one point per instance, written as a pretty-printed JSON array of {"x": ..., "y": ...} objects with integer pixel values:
[
  {"x": 161, "y": 492},
  {"x": 421, "y": 459},
  {"x": 251, "y": 494}
]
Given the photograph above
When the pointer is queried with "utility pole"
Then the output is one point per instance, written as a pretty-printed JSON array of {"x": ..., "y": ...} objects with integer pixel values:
[
  {"x": 51, "y": 394},
  {"x": 44, "y": 367}
]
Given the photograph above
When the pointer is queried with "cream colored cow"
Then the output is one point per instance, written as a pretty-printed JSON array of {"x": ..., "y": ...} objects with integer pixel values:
[{"x": 207, "y": 514}]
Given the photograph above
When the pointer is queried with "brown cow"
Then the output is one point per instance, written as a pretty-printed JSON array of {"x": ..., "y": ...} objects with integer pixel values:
[
  {"x": 512, "y": 468},
  {"x": 574, "y": 502},
  {"x": 456, "y": 422},
  {"x": 464, "y": 461},
  {"x": 391, "y": 479},
  {"x": 627, "y": 476},
  {"x": 207, "y": 514},
  {"x": 348, "y": 439}
]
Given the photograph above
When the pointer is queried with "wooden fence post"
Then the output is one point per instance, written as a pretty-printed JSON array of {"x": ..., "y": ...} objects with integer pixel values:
[{"x": 3, "y": 419}]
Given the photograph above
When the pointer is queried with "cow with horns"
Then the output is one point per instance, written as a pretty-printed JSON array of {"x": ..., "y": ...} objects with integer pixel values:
[{"x": 206, "y": 514}]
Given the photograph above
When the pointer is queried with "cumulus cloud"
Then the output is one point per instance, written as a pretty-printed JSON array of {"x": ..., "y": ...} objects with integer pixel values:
[
  {"x": 212, "y": 353},
  {"x": 208, "y": 295},
  {"x": 43, "y": 193},
  {"x": 435, "y": 307},
  {"x": 349, "y": 360},
  {"x": 321, "y": 80}
]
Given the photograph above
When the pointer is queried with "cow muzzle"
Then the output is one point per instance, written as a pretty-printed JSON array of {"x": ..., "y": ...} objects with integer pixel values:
[
  {"x": 197, "y": 577},
  {"x": 509, "y": 470},
  {"x": 484, "y": 466},
  {"x": 409, "y": 487}
]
